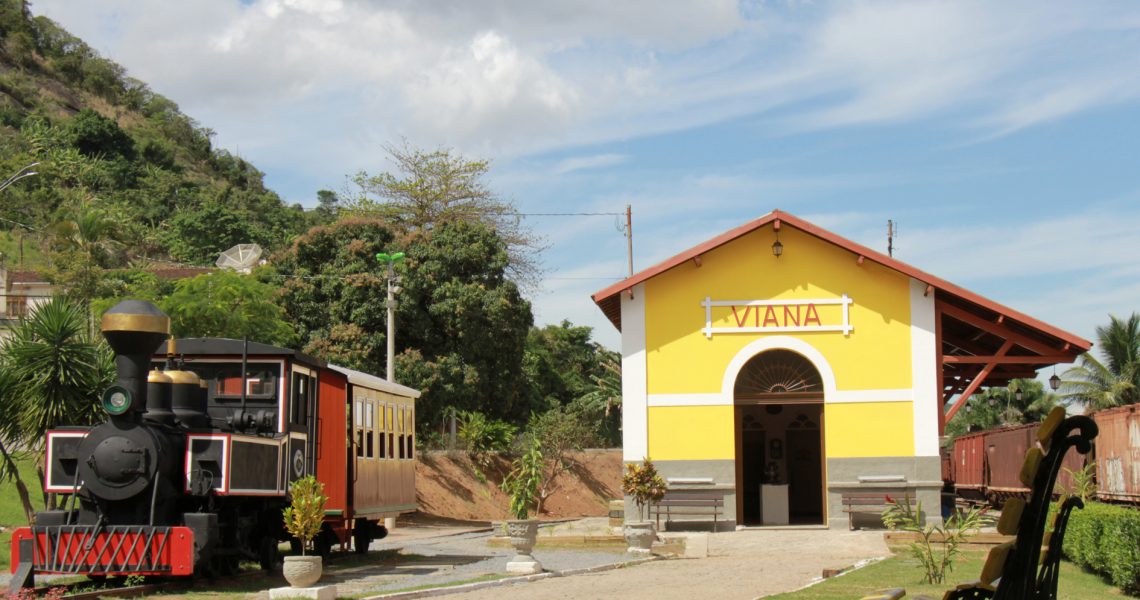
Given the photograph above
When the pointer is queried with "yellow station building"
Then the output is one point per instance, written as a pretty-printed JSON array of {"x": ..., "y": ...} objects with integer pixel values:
[{"x": 782, "y": 366}]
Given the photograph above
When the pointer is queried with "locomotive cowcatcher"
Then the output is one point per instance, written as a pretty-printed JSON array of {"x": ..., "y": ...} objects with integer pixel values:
[{"x": 190, "y": 471}]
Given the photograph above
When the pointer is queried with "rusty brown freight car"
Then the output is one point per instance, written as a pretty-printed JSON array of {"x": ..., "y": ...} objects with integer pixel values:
[
  {"x": 1005, "y": 452},
  {"x": 967, "y": 465},
  {"x": 987, "y": 464},
  {"x": 1118, "y": 454}
]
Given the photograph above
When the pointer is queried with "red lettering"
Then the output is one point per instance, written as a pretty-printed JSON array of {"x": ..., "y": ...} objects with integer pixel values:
[
  {"x": 789, "y": 318},
  {"x": 741, "y": 319},
  {"x": 770, "y": 316},
  {"x": 811, "y": 316}
]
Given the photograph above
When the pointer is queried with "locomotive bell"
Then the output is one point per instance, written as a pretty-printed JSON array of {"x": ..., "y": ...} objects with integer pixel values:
[{"x": 134, "y": 329}]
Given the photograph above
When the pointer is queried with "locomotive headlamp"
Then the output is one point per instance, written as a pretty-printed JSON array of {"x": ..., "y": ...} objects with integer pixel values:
[{"x": 117, "y": 400}]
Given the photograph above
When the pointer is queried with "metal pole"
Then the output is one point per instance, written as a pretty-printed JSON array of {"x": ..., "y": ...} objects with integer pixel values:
[
  {"x": 629, "y": 236},
  {"x": 391, "y": 324}
]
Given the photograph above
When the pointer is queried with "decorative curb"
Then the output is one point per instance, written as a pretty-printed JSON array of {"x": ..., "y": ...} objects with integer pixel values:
[{"x": 478, "y": 585}]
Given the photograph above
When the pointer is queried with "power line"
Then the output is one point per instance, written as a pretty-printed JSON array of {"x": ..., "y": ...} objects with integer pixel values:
[{"x": 580, "y": 214}]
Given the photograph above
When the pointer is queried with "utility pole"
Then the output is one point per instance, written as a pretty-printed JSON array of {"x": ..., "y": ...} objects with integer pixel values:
[
  {"x": 891, "y": 237},
  {"x": 629, "y": 236},
  {"x": 393, "y": 289}
]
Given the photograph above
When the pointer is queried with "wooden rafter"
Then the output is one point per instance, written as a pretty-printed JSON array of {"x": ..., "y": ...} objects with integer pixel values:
[
  {"x": 999, "y": 329},
  {"x": 978, "y": 380}
]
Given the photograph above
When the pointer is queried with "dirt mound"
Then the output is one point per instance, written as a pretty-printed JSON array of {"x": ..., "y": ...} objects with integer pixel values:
[{"x": 449, "y": 485}]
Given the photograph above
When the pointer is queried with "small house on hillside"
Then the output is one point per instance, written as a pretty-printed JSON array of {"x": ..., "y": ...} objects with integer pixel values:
[{"x": 783, "y": 366}]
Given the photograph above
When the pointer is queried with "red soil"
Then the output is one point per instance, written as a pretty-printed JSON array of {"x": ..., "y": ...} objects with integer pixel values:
[{"x": 447, "y": 485}]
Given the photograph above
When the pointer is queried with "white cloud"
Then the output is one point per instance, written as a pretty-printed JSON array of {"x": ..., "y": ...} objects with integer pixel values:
[
  {"x": 578, "y": 163},
  {"x": 509, "y": 77}
]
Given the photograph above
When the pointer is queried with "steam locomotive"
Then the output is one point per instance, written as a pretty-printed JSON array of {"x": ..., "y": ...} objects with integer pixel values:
[{"x": 190, "y": 472}]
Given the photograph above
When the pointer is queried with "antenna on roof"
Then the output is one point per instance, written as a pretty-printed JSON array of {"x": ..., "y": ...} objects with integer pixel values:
[
  {"x": 240, "y": 258},
  {"x": 892, "y": 231}
]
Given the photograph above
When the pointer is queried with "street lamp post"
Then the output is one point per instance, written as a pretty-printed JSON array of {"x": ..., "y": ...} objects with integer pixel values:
[{"x": 393, "y": 289}]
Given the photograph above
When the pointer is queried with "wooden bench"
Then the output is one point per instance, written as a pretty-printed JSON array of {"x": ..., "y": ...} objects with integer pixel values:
[
  {"x": 868, "y": 503},
  {"x": 689, "y": 503}
]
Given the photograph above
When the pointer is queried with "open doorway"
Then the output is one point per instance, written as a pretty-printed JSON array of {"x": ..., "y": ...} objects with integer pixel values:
[{"x": 779, "y": 431}]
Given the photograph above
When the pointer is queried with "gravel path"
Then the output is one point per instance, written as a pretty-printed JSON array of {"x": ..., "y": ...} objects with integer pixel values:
[{"x": 450, "y": 557}]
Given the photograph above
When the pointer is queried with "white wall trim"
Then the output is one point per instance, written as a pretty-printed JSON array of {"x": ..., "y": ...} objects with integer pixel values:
[
  {"x": 924, "y": 378},
  {"x": 728, "y": 384},
  {"x": 888, "y": 395},
  {"x": 689, "y": 400},
  {"x": 837, "y": 397},
  {"x": 634, "y": 377}
]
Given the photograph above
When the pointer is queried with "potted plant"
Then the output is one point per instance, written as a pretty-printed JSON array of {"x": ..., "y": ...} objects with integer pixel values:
[
  {"x": 303, "y": 519},
  {"x": 522, "y": 485},
  {"x": 642, "y": 482}
]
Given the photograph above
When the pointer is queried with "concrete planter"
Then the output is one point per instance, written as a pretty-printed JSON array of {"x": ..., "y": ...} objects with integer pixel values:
[
  {"x": 302, "y": 571},
  {"x": 523, "y": 535},
  {"x": 639, "y": 535}
]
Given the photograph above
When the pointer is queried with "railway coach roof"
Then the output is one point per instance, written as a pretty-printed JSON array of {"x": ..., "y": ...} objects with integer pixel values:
[
  {"x": 231, "y": 347},
  {"x": 364, "y": 379}
]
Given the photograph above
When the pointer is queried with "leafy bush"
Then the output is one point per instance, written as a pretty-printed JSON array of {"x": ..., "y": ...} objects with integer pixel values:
[
  {"x": 557, "y": 432},
  {"x": 306, "y": 513},
  {"x": 643, "y": 483},
  {"x": 523, "y": 482},
  {"x": 482, "y": 436},
  {"x": 901, "y": 516},
  {"x": 1106, "y": 539},
  {"x": 1082, "y": 482}
]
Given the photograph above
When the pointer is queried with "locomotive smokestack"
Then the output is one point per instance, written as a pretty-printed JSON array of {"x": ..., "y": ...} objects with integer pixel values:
[{"x": 134, "y": 329}]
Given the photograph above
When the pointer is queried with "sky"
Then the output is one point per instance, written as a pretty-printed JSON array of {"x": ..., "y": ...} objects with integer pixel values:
[{"x": 1003, "y": 138}]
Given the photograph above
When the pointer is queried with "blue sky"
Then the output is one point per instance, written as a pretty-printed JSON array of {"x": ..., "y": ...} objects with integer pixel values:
[{"x": 1003, "y": 138}]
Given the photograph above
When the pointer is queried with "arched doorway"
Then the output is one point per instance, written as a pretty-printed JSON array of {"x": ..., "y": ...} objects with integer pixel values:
[{"x": 778, "y": 399}]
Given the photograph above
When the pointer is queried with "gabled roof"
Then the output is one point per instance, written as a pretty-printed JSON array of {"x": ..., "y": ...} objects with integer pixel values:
[{"x": 956, "y": 297}]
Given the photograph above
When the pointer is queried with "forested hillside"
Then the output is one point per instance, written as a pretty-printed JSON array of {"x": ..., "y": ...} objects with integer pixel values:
[{"x": 111, "y": 150}]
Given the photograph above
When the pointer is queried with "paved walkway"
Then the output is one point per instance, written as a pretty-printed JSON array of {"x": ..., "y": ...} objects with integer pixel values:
[
  {"x": 447, "y": 554},
  {"x": 741, "y": 564}
]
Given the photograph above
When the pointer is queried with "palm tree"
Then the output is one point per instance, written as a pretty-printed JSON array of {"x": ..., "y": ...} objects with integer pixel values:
[
  {"x": 51, "y": 372},
  {"x": 1116, "y": 381}
]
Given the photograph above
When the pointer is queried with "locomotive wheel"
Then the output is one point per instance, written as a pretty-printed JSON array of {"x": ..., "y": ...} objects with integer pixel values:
[
  {"x": 224, "y": 565},
  {"x": 362, "y": 535},
  {"x": 323, "y": 543},
  {"x": 268, "y": 555}
]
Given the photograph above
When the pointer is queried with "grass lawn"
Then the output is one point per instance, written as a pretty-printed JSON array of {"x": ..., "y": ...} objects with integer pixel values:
[
  {"x": 904, "y": 571},
  {"x": 11, "y": 511}
]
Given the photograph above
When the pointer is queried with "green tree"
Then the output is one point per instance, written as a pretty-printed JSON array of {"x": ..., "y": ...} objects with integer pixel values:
[
  {"x": 431, "y": 188},
  {"x": 50, "y": 369},
  {"x": 199, "y": 234},
  {"x": 469, "y": 321},
  {"x": 97, "y": 136},
  {"x": 560, "y": 363},
  {"x": 602, "y": 404},
  {"x": 1116, "y": 380},
  {"x": 460, "y": 323},
  {"x": 84, "y": 243},
  {"x": 228, "y": 304},
  {"x": 1022, "y": 401},
  {"x": 558, "y": 432}
]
